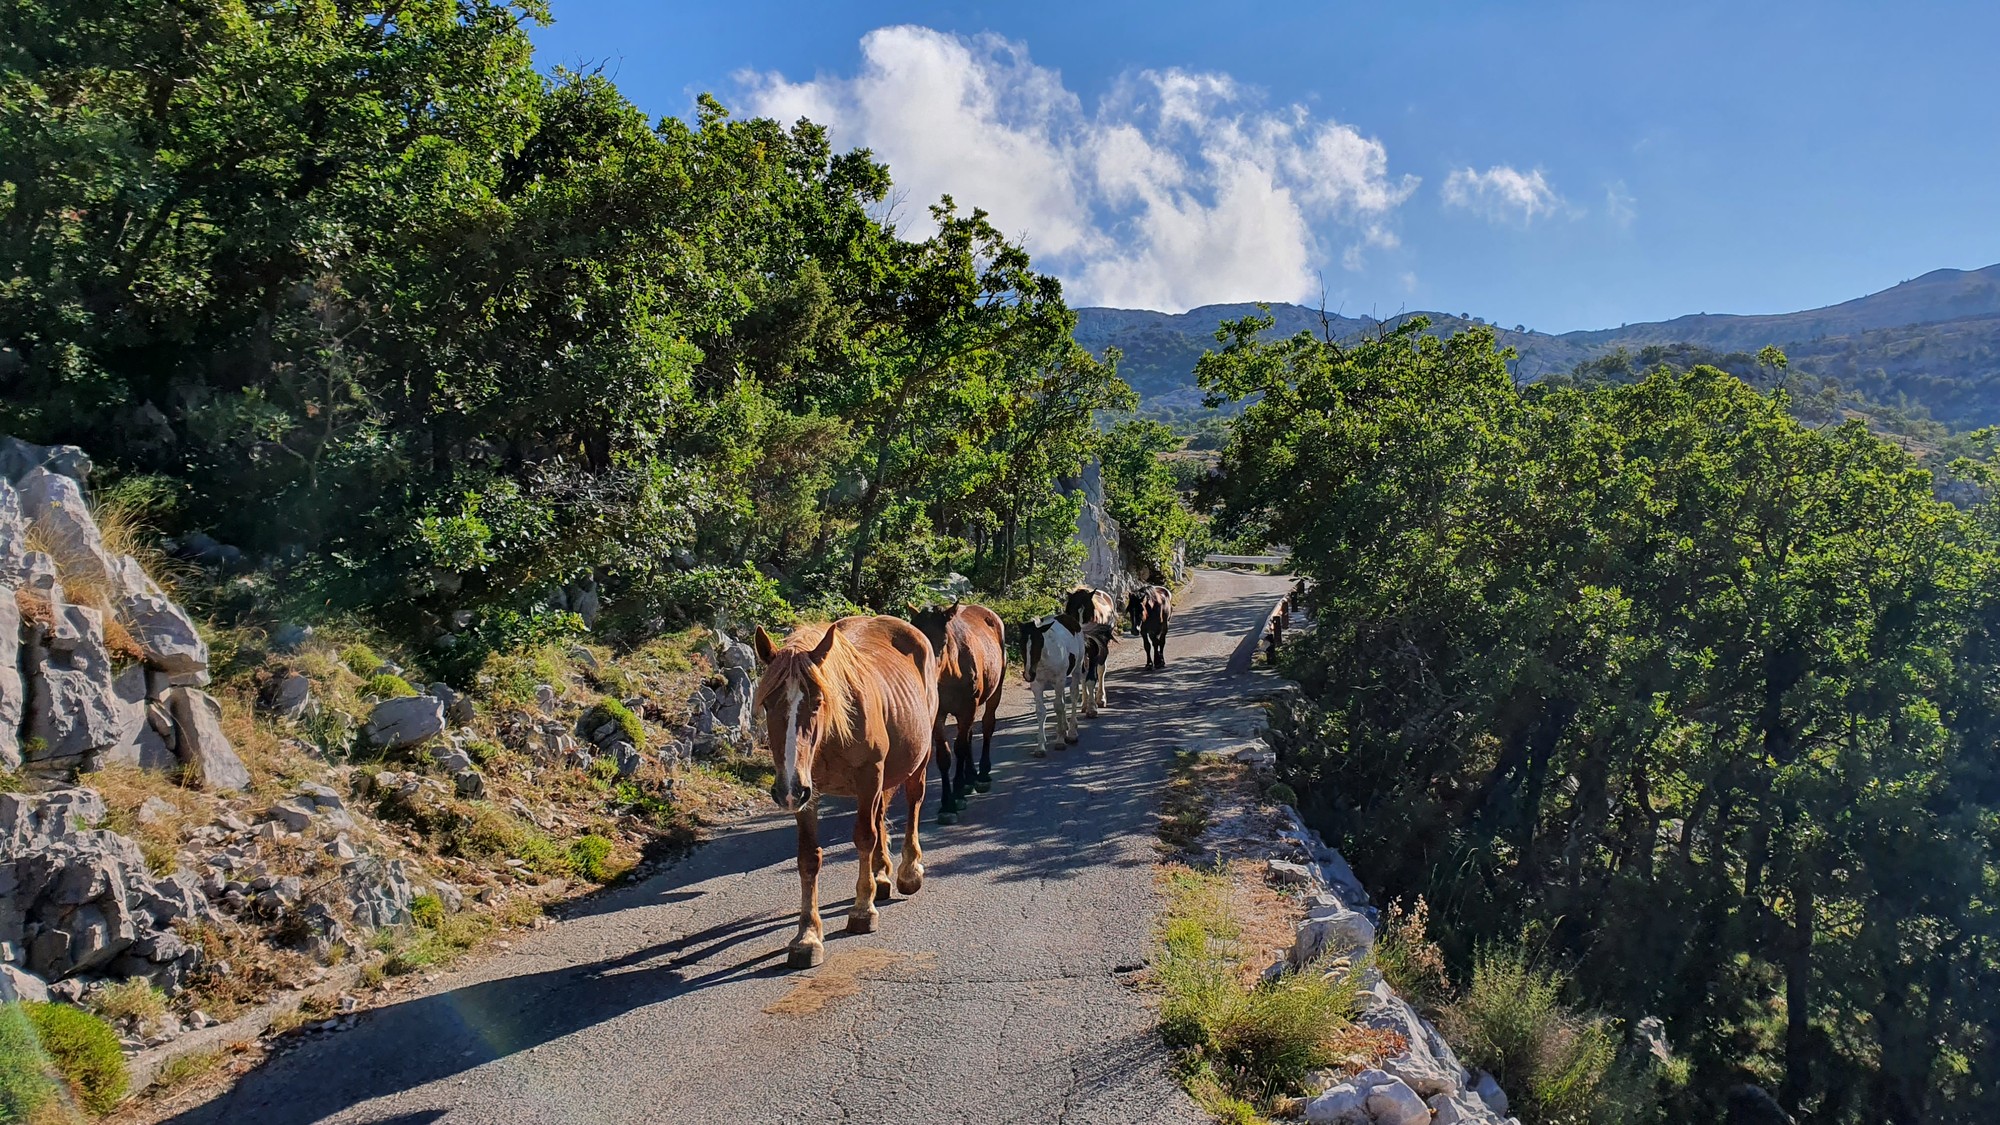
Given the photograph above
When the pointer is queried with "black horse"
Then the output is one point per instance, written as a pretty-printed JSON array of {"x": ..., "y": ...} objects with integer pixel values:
[{"x": 1150, "y": 610}]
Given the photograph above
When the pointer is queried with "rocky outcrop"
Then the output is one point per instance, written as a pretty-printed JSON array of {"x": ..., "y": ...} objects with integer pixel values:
[
  {"x": 1105, "y": 566},
  {"x": 409, "y": 721},
  {"x": 107, "y": 679},
  {"x": 77, "y": 900}
]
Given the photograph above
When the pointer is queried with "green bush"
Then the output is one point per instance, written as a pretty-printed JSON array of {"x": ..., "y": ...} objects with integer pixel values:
[
  {"x": 1512, "y": 1022},
  {"x": 610, "y": 710},
  {"x": 427, "y": 911},
  {"x": 1281, "y": 794},
  {"x": 503, "y": 633},
  {"x": 737, "y": 595},
  {"x": 26, "y": 1085},
  {"x": 590, "y": 856},
  {"x": 85, "y": 1052},
  {"x": 361, "y": 660},
  {"x": 383, "y": 685}
]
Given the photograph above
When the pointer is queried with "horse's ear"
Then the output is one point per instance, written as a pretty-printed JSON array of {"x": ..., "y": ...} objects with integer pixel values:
[
  {"x": 767, "y": 649},
  {"x": 910, "y": 608},
  {"x": 824, "y": 646}
]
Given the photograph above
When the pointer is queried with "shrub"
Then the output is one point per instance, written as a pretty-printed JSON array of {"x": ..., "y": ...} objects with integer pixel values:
[
  {"x": 610, "y": 710},
  {"x": 85, "y": 1052},
  {"x": 361, "y": 660},
  {"x": 438, "y": 944},
  {"x": 135, "y": 999},
  {"x": 26, "y": 1086},
  {"x": 503, "y": 633},
  {"x": 1281, "y": 794},
  {"x": 384, "y": 685},
  {"x": 733, "y": 596},
  {"x": 1511, "y": 1021},
  {"x": 1406, "y": 956},
  {"x": 427, "y": 911},
  {"x": 590, "y": 857},
  {"x": 183, "y": 1069}
]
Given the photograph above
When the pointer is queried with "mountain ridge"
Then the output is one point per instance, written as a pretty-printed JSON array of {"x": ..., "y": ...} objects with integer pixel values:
[{"x": 1933, "y": 341}]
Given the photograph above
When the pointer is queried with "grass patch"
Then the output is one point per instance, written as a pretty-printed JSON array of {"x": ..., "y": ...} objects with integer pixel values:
[
  {"x": 84, "y": 1050},
  {"x": 361, "y": 660},
  {"x": 1185, "y": 806},
  {"x": 384, "y": 685},
  {"x": 613, "y": 711},
  {"x": 490, "y": 831},
  {"x": 183, "y": 1069},
  {"x": 1242, "y": 1045},
  {"x": 754, "y": 771},
  {"x": 594, "y": 858},
  {"x": 438, "y": 945},
  {"x": 28, "y": 1086},
  {"x": 135, "y": 1000}
]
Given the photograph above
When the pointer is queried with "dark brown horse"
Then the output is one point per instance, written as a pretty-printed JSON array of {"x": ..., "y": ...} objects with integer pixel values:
[
  {"x": 1151, "y": 609},
  {"x": 849, "y": 709},
  {"x": 971, "y": 647}
]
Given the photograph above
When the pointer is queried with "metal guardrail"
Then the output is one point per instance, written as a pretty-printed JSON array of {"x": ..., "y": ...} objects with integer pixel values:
[{"x": 1248, "y": 560}]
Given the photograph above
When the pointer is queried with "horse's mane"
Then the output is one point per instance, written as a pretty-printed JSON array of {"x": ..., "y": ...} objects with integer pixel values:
[{"x": 839, "y": 677}]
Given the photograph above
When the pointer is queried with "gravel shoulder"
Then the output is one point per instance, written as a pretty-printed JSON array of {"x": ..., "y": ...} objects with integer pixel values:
[{"x": 1000, "y": 993}]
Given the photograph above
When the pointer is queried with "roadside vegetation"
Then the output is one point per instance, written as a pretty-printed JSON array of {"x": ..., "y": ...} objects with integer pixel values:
[{"x": 1697, "y": 694}]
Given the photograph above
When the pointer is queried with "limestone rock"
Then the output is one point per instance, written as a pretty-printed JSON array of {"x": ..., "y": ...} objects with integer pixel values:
[
  {"x": 13, "y": 536},
  {"x": 1329, "y": 933},
  {"x": 145, "y": 730},
  {"x": 290, "y": 696},
  {"x": 161, "y": 629},
  {"x": 156, "y": 810},
  {"x": 458, "y": 708},
  {"x": 23, "y": 986},
  {"x": 1489, "y": 1091},
  {"x": 1344, "y": 1104},
  {"x": 397, "y": 723},
  {"x": 1460, "y": 1109},
  {"x": 55, "y": 505},
  {"x": 203, "y": 749},
  {"x": 1427, "y": 1065},
  {"x": 18, "y": 459},
  {"x": 469, "y": 783},
  {"x": 379, "y": 892},
  {"x": 1288, "y": 874},
  {"x": 1394, "y": 1103},
  {"x": 72, "y": 708},
  {"x": 13, "y": 692}
]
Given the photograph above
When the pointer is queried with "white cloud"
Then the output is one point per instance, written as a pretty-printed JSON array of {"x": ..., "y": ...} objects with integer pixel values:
[
  {"x": 1619, "y": 204},
  {"x": 1503, "y": 194},
  {"x": 1178, "y": 189}
]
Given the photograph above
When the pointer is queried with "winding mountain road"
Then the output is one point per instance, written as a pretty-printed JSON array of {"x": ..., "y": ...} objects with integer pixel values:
[{"x": 999, "y": 993}]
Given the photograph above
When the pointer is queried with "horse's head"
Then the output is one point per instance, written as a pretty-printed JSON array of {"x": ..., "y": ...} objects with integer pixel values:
[
  {"x": 1034, "y": 642},
  {"x": 793, "y": 693},
  {"x": 1135, "y": 607},
  {"x": 931, "y": 622},
  {"x": 1080, "y": 602}
]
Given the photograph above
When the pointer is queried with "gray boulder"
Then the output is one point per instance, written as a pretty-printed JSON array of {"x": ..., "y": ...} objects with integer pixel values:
[
  {"x": 54, "y": 504},
  {"x": 458, "y": 708},
  {"x": 78, "y": 899},
  {"x": 22, "y": 986},
  {"x": 13, "y": 691},
  {"x": 469, "y": 783},
  {"x": 378, "y": 891},
  {"x": 145, "y": 730},
  {"x": 1394, "y": 1103},
  {"x": 72, "y": 708},
  {"x": 13, "y": 536},
  {"x": 290, "y": 696},
  {"x": 398, "y": 723},
  {"x": 1427, "y": 1065},
  {"x": 204, "y": 751},
  {"x": 1331, "y": 932},
  {"x": 18, "y": 459},
  {"x": 627, "y": 756},
  {"x": 161, "y": 629},
  {"x": 290, "y": 637}
]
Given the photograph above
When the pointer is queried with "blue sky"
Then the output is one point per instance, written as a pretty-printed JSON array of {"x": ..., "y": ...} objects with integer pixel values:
[{"x": 1558, "y": 165}]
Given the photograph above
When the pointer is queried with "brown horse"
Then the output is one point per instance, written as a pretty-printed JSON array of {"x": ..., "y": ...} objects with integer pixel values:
[
  {"x": 1151, "y": 609},
  {"x": 849, "y": 709},
  {"x": 971, "y": 647}
]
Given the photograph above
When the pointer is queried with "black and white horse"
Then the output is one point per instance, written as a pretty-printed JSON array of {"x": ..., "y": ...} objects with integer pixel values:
[
  {"x": 1097, "y": 619},
  {"x": 1052, "y": 656}
]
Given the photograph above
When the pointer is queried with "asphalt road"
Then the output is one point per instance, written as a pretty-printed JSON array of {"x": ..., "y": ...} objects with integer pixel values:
[{"x": 999, "y": 993}]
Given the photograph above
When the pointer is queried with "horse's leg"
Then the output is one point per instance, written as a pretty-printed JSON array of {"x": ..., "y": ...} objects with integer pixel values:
[
  {"x": 947, "y": 812},
  {"x": 1042, "y": 719},
  {"x": 1103, "y": 668},
  {"x": 964, "y": 747},
  {"x": 910, "y": 873},
  {"x": 1068, "y": 702},
  {"x": 808, "y": 948},
  {"x": 861, "y": 917},
  {"x": 883, "y": 871},
  {"x": 985, "y": 780},
  {"x": 1160, "y": 647}
]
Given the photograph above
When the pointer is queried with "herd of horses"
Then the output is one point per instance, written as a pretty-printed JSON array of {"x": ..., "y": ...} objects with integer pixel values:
[{"x": 858, "y": 709}]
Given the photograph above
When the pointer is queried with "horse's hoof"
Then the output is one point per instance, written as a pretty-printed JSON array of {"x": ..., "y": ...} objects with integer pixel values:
[
  {"x": 983, "y": 785},
  {"x": 882, "y": 891},
  {"x": 805, "y": 956},
  {"x": 911, "y": 881},
  {"x": 1040, "y": 754},
  {"x": 862, "y": 923},
  {"x": 947, "y": 815},
  {"x": 1070, "y": 739}
]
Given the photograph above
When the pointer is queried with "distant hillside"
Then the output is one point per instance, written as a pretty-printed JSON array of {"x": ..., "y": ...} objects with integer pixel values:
[{"x": 1932, "y": 342}]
